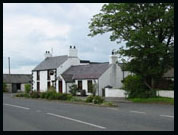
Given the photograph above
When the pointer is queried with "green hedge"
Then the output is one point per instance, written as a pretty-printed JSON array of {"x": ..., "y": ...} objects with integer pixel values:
[{"x": 135, "y": 87}]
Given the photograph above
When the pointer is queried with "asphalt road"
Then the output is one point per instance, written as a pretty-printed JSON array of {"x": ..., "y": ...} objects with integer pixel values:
[{"x": 21, "y": 114}]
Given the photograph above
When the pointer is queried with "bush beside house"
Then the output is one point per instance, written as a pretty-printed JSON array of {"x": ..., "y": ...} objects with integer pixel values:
[
  {"x": 27, "y": 88},
  {"x": 136, "y": 88},
  {"x": 73, "y": 89}
]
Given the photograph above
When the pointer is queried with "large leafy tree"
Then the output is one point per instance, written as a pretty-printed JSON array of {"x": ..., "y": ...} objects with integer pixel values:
[{"x": 147, "y": 29}]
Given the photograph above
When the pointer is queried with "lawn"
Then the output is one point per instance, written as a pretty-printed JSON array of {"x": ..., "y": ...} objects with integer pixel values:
[{"x": 161, "y": 100}]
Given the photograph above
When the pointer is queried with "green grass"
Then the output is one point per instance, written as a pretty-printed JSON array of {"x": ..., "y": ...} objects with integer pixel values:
[{"x": 161, "y": 100}]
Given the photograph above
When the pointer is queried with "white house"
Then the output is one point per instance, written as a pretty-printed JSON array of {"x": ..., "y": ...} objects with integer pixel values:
[{"x": 63, "y": 71}]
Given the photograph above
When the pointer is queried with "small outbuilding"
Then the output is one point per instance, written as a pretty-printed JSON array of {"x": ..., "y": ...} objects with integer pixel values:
[{"x": 16, "y": 82}]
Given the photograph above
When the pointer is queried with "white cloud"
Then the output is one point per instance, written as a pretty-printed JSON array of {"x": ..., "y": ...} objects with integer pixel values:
[
  {"x": 20, "y": 70},
  {"x": 31, "y": 29}
]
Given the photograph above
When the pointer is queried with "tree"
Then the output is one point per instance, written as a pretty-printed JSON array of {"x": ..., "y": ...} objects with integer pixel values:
[{"x": 147, "y": 29}]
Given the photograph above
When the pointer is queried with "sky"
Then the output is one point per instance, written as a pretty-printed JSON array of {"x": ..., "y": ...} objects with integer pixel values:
[{"x": 29, "y": 29}]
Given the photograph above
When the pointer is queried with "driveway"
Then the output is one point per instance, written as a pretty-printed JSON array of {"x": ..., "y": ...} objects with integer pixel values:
[{"x": 21, "y": 114}]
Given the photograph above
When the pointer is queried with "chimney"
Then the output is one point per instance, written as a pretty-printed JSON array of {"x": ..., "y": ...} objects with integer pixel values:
[
  {"x": 113, "y": 58},
  {"x": 47, "y": 54},
  {"x": 73, "y": 52}
]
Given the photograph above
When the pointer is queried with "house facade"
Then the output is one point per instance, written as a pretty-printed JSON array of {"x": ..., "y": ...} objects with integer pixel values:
[{"x": 63, "y": 71}]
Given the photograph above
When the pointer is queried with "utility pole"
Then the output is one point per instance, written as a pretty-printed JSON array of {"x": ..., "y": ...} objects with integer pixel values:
[{"x": 9, "y": 64}]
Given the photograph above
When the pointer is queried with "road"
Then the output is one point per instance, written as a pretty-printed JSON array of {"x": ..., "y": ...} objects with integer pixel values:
[{"x": 21, "y": 114}]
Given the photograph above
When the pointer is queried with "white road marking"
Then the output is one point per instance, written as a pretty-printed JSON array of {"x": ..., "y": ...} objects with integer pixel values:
[
  {"x": 137, "y": 112},
  {"x": 167, "y": 116},
  {"x": 17, "y": 106},
  {"x": 60, "y": 116}
]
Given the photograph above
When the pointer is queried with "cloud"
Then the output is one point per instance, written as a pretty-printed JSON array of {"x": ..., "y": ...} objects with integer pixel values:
[{"x": 31, "y": 29}]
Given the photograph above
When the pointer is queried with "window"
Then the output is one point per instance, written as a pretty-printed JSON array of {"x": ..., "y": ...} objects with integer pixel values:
[
  {"x": 38, "y": 75},
  {"x": 18, "y": 86},
  {"x": 90, "y": 86},
  {"x": 80, "y": 85},
  {"x": 48, "y": 84},
  {"x": 38, "y": 86},
  {"x": 48, "y": 75}
]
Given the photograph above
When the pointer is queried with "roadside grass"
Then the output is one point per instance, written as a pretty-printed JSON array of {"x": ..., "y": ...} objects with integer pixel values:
[
  {"x": 160, "y": 100},
  {"x": 68, "y": 98}
]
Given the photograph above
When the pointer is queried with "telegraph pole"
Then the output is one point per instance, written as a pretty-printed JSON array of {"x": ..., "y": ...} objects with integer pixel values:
[{"x": 9, "y": 64}]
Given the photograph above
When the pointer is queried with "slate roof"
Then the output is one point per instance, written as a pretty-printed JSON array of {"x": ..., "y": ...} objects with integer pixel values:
[
  {"x": 90, "y": 71},
  {"x": 51, "y": 63},
  {"x": 17, "y": 78}
]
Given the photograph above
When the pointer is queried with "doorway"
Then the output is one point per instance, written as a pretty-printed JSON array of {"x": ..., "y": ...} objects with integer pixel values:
[{"x": 60, "y": 86}]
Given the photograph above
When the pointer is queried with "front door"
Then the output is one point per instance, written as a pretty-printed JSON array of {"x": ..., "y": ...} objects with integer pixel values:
[
  {"x": 14, "y": 88},
  {"x": 60, "y": 86}
]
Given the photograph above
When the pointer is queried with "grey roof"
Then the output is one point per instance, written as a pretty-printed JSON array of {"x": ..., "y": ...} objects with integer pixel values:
[
  {"x": 17, "y": 78},
  {"x": 51, "y": 62},
  {"x": 90, "y": 71}
]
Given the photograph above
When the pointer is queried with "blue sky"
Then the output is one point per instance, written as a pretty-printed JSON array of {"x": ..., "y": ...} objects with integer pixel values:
[{"x": 30, "y": 29}]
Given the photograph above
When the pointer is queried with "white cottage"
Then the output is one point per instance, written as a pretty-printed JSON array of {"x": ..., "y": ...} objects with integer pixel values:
[{"x": 63, "y": 71}]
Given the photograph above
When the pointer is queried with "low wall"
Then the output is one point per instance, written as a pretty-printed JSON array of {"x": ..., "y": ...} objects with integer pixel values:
[
  {"x": 165, "y": 93},
  {"x": 114, "y": 92},
  {"x": 121, "y": 93}
]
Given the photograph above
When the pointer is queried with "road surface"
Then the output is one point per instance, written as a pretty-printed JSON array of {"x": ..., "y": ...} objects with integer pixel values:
[{"x": 21, "y": 114}]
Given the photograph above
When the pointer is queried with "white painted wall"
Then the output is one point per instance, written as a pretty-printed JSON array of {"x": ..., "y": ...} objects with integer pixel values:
[
  {"x": 111, "y": 76},
  {"x": 115, "y": 93},
  {"x": 64, "y": 90},
  {"x": 34, "y": 83},
  {"x": 43, "y": 81},
  {"x": 126, "y": 73},
  {"x": 68, "y": 85},
  {"x": 165, "y": 93},
  {"x": 22, "y": 87},
  {"x": 68, "y": 63},
  {"x": 85, "y": 85}
]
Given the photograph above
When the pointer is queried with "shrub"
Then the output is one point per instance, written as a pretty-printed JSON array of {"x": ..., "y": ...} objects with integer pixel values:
[
  {"x": 51, "y": 88},
  {"x": 50, "y": 94},
  {"x": 34, "y": 94},
  {"x": 19, "y": 95},
  {"x": 98, "y": 100},
  {"x": 42, "y": 94},
  {"x": 27, "y": 88},
  {"x": 74, "y": 99},
  {"x": 73, "y": 89},
  {"x": 69, "y": 96},
  {"x": 90, "y": 99},
  {"x": 26, "y": 95},
  {"x": 63, "y": 96},
  {"x": 135, "y": 87},
  {"x": 4, "y": 87}
]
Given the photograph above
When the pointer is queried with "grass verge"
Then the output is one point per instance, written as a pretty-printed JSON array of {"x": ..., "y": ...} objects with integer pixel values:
[
  {"x": 160, "y": 100},
  {"x": 73, "y": 99}
]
